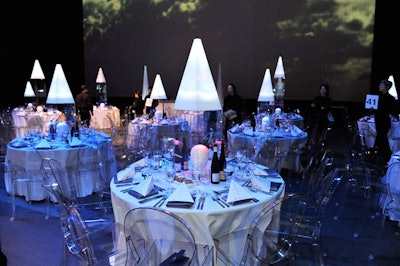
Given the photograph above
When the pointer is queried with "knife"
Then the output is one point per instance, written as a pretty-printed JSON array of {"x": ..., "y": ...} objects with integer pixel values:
[{"x": 150, "y": 199}]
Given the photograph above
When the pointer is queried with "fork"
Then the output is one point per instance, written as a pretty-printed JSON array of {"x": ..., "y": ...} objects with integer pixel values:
[
  {"x": 161, "y": 201},
  {"x": 200, "y": 205},
  {"x": 214, "y": 198}
]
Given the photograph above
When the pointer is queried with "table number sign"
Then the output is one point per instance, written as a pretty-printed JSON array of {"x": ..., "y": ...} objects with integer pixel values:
[{"x": 371, "y": 101}]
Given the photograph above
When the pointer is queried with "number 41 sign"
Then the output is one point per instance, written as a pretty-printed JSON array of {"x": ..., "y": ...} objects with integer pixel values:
[{"x": 371, "y": 101}]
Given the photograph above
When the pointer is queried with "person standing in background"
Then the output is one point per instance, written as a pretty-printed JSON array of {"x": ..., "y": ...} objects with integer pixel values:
[
  {"x": 233, "y": 101},
  {"x": 137, "y": 106},
  {"x": 154, "y": 102},
  {"x": 387, "y": 110},
  {"x": 318, "y": 118},
  {"x": 84, "y": 105}
]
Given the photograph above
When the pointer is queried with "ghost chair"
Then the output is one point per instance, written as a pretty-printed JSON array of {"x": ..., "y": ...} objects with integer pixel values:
[
  {"x": 18, "y": 176},
  {"x": 84, "y": 243},
  {"x": 154, "y": 236}
]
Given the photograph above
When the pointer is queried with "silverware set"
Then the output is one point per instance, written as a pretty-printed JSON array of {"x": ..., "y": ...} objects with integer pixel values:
[{"x": 200, "y": 205}]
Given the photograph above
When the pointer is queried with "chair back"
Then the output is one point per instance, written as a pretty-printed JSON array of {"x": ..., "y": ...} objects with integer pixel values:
[
  {"x": 155, "y": 236},
  {"x": 54, "y": 171},
  {"x": 273, "y": 231},
  {"x": 88, "y": 245},
  {"x": 390, "y": 200}
]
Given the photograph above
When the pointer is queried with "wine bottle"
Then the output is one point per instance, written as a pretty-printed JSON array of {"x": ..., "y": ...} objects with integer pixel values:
[
  {"x": 185, "y": 156},
  {"x": 215, "y": 166},
  {"x": 76, "y": 130},
  {"x": 222, "y": 163}
]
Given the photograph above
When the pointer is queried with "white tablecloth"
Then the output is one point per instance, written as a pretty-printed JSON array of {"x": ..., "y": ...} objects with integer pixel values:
[
  {"x": 30, "y": 159},
  {"x": 266, "y": 148},
  {"x": 213, "y": 222},
  {"x": 24, "y": 120},
  {"x": 367, "y": 129},
  {"x": 106, "y": 117},
  {"x": 146, "y": 135},
  {"x": 392, "y": 178}
]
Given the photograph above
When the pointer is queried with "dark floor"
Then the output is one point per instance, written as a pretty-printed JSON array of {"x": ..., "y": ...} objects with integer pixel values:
[{"x": 353, "y": 230}]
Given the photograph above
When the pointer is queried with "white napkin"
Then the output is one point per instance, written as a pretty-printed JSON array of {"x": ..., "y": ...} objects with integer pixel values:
[
  {"x": 248, "y": 131},
  {"x": 258, "y": 171},
  {"x": 277, "y": 133},
  {"x": 104, "y": 135},
  {"x": 142, "y": 162},
  {"x": 43, "y": 144},
  {"x": 261, "y": 183},
  {"x": 295, "y": 131},
  {"x": 126, "y": 173},
  {"x": 145, "y": 187},
  {"x": 235, "y": 129},
  {"x": 237, "y": 193},
  {"x": 181, "y": 193},
  {"x": 75, "y": 142}
]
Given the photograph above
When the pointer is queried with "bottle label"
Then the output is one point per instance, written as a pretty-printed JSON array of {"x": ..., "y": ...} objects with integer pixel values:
[
  {"x": 222, "y": 176},
  {"x": 215, "y": 178}
]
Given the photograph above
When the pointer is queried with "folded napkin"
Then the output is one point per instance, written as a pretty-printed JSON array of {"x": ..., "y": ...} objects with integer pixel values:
[
  {"x": 144, "y": 189},
  {"x": 104, "y": 135},
  {"x": 43, "y": 144},
  {"x": 277, "y": 134},
  {"x": 248, "y": 131},
  {"x": 261, "y": 183},
  {"x": 126, "y": 173},
  {"x": 235, "y": 129},
  {"x": 142, "y": 162},
  {"x": 258, "y": 171},
  {"x": 296, "y": 131},
  {"x": 18, "y": 142},
  {"x": 180, "y": 197},
  {"x": 237, "y": 193},
  {"x": 75, "y": 142}
]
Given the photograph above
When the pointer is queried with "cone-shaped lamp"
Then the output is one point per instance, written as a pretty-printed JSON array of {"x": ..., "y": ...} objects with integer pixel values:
[
  {"x": 393, "y": 91},
  {"x": 59, "y": 92},
  {"x": 100, "y": 76},
  {"x": 29, "y": 90},
  {"x": 279, "y": 71},
  {"x": 197, "y": 91},
  {"x": 219, "y": 86},
  {"x": 145, "y": 83},
  {"x": 158, "y": 91},
  {"x": 38, "y": 82},
  {"x": 266, "y": 92},
  {"x": 37, "y": 72},
  {"x": 101, "y": 86}
]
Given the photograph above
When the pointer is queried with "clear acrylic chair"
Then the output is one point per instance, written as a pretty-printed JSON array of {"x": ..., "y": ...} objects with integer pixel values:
[
  {"x": 273, "y": 232},
  {"x": 154, "y": 235},
  {"x": 18, "y": 176},
  {"x": 87, "y": 243},
  {"x": 55, "y": 172}
]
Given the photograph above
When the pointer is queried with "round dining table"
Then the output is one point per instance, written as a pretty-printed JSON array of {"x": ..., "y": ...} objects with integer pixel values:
[
  {"x": 23, "y": 153},
  {"x": 105, "y": 117},
  {"x": 25, "y": 120},
  {"x": 276, "y": 149},
  {"x": 226, "y": 224},
  {"x": 367, "y": 131},
  {"x": 148, "y": 134}
]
